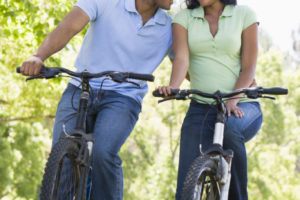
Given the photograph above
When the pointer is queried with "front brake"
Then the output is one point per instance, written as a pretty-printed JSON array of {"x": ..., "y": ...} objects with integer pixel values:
[{"x": 166, "y": 99}]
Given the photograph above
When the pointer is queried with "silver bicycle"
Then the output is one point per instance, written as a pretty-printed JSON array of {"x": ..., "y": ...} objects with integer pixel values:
[{"x": 208, "y": 177}]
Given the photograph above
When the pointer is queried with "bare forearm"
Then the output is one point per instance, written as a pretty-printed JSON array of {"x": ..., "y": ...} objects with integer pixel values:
[
  {"x": 245, "y": 79},
  {"x": 179, "y": 72},
  {"x": 54, "y": 42}
]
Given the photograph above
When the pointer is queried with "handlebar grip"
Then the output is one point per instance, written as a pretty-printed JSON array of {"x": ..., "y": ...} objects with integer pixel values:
[
  {"x": 43, "y": 69},
  {"x": 144, "y": 77},
  {"x": 275, "y": 91},
  {"x": 157, "y": 94}
]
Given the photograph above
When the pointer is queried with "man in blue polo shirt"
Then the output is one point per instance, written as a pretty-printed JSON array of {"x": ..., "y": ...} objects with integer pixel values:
[{"x": 124, "y": 35}]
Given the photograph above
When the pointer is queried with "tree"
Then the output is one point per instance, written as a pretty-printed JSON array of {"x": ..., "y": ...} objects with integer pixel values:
[
  {"x": 273, "y": 153},
  {"x": 26, "y": 109}
]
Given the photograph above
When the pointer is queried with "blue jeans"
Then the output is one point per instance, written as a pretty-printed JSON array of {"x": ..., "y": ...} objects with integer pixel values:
[
  {"x": 198, "y": 127},
  {"x": 111, "y": 118}
]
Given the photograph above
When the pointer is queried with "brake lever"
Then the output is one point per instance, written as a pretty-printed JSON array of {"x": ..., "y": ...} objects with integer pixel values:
[
  {"x": 134, "y": 83},
  {"x": 268, "y": 97},
  {"x": 35, "y": 77},
  {"x": 166, "y": 99}
]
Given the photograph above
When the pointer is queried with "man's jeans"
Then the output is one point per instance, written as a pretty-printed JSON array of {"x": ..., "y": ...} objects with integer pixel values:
[
  {"x": 198, "y": 127},
  {"x": 111, "y": 118}
]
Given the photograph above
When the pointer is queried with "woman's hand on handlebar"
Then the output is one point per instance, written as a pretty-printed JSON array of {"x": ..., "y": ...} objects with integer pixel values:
[
  {"x": 165, "y": 90},
  {"x": 31, "y": 66}
]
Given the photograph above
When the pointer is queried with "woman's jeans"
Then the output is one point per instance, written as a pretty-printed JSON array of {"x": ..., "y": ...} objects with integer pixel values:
[
  {"x": 198, "y": 127},
  {"x": 111, "y": 118}
]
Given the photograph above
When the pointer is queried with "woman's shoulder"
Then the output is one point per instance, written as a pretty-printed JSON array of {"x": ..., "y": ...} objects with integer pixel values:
[
  {"x": 243, "y": 9},
  {"x": 183, "y": 12},
  {"x": 246, "y": 14},
  {"x": 183, "y": 17}
]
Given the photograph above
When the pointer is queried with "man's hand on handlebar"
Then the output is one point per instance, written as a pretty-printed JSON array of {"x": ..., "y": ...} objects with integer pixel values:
[{"x": 31, "y": 66}]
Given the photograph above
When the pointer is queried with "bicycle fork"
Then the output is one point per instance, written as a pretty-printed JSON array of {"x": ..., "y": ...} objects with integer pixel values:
[
  {"x": 222, "y": 157},
  {"x": 81, "y": 126},
  {"x": 226, "y": 177}
]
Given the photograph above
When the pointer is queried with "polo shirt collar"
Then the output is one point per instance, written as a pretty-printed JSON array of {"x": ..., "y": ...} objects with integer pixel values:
[
  {"x": 228, "y": 11},
  {"x": 159, "y": 17},
  {"x": 130, "y": 6},
  {"x": 199, "y": 12}
]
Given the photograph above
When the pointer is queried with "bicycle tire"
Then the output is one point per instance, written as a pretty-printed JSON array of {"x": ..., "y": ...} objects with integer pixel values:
[
  {"x": 53, "y": 187},
  {"x": 200, "y": 182}
]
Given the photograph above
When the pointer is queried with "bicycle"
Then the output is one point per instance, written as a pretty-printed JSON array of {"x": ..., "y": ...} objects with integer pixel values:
[
  {"x": 76, "y": 146},
  {"x": 208, "y": 177}
]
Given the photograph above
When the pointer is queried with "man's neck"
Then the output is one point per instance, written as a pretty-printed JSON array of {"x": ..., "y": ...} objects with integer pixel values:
[{"x": 146, "y": 8}]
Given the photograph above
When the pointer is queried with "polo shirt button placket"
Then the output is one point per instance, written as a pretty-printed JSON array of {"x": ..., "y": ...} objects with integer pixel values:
[
  {"x": 214, "y": 46},
  {"x": 139, "y": 26}
]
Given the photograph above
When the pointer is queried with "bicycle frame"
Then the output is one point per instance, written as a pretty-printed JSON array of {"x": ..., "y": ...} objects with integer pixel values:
[
  {"x": 80, "y": 132},
  {"x": 216, "y": 152}
]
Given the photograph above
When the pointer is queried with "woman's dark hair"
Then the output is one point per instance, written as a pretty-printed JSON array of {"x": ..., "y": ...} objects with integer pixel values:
[{"x": 191, "y": 4}]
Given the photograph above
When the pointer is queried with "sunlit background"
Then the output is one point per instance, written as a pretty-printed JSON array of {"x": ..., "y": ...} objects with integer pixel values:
[{"x": 277, "y": 18}]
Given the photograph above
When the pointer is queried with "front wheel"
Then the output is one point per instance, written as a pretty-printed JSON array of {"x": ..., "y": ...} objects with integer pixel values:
[
  {"x": 200, "y": 182},
  {"x": 62, "y": 172}
]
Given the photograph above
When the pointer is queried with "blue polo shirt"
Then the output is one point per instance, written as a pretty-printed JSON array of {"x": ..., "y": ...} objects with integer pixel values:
[{"x": 117, "y": 40}]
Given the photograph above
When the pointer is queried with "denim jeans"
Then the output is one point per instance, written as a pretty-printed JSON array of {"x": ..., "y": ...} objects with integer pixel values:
[
  {"x": 198, "y": 128},
  {"x": 111, "y": 118}
]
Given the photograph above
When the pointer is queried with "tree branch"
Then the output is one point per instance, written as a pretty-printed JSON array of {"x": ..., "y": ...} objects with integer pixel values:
[
  {"x": 3, "y": 101},
  {"x": 25, "y": 118}
]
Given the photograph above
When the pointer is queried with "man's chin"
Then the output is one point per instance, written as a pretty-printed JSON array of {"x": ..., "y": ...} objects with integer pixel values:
[{"x": 167, "y": 7}]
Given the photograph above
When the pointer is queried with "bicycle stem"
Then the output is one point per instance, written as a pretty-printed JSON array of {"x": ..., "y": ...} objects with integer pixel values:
[
  {"x": 220, "y": 121},
  {"x": 83, "y": 105}
]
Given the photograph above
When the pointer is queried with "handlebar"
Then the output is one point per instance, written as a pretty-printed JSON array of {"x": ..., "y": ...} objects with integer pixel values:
[
  {"x": 252, "y": 93},
  {"x": 52, "y": 72},
  {"x": 275, "y": 91}
]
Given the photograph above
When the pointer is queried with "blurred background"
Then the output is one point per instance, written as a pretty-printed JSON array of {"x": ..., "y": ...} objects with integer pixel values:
[{"x": 150, "y": 156}]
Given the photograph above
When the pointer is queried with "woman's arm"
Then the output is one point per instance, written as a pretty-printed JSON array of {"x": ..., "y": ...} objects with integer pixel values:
[
  {"x": 181, "y": 59},
  {"x": 249, "y": 55}
]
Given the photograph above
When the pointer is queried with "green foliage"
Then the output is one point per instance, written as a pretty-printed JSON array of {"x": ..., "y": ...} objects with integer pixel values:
[
  {"x": 273, "y": 153},
  {"x": 27, "y": 109}
]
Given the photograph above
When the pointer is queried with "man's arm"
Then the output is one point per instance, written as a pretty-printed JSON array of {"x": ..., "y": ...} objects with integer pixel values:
[{"x": 73, "y": 23}]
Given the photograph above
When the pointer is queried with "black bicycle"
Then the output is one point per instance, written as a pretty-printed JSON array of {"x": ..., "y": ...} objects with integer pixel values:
[
  {"x": 208, "y": 177},
  {"x": 76, "y": 147}
]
